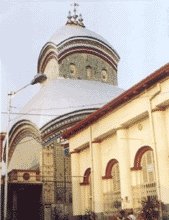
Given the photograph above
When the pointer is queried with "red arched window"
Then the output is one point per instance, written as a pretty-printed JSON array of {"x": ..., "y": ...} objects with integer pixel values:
[
  {"x": 86, "y": 177},
  {"x": 108, "y": 172},
  {"x": 138, "y": 157}
]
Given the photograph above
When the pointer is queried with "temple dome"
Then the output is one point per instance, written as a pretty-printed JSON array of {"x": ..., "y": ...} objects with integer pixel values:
[
  {"x": 69, "y": 88},
  {"x": 63, "y": 96},
  {"x": 71, "y": 31}
]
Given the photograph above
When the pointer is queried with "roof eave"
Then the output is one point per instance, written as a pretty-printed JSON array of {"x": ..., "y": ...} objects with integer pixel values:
[{"x": 146, "y": 83}]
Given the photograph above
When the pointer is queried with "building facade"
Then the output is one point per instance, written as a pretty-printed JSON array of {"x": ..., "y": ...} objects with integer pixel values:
[
  {"x": 81, "y": 69},
  {"x": 122, "y": 150}
]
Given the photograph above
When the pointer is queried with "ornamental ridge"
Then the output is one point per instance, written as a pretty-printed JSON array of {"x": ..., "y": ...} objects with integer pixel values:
[{"x": 74, "y": 18}]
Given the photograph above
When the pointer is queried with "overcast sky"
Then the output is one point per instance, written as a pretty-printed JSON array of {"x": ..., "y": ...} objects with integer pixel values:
[{"x": 137, "y": 30}]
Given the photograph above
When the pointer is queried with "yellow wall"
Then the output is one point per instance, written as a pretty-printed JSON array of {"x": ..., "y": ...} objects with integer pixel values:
[{"x": 143, "y": 121}]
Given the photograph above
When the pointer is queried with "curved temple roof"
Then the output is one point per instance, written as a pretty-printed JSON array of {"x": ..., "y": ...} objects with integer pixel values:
[
  {"x": 72, "y": 31},
  {"x": 58, "y": 97},
  {"x": 62, "y": 96}
]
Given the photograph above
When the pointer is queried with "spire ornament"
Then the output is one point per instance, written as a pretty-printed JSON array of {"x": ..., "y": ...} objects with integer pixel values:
[
  {"x": 74, "y": 18},
  {"x": 69, "y": 21},
  {"x": 80, "y": 20}
]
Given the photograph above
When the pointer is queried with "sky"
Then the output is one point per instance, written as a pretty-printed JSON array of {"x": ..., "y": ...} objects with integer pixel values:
[{"x": 137, "y": 30}]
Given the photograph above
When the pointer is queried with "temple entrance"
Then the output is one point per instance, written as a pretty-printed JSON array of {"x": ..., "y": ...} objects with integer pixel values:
[{"x": 25, "y": 201}]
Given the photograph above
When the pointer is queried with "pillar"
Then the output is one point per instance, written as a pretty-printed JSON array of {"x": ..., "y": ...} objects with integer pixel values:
[
  {"x": 97, "y": 179},
  {"x": 161, "y": 155},
  {"x": 124, "y": 166},
  {"x": 76, "y": 195}
]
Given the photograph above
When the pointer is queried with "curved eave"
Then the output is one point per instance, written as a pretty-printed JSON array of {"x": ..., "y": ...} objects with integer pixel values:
[
  {"x": 54, "y": 128},
  {"x": 46, "y": 49},
  {"x": 51, "y": 49},
  {"x": 146, "y": 83},
  {"x": 16, "y": 131},
  {"x": 49, "y": 52},
  {"x": 88, "y": 50},
  {"x": 88, "y": 38},
  {"x": 21, "y": 123},
  {"x": 65, "y": 116}
]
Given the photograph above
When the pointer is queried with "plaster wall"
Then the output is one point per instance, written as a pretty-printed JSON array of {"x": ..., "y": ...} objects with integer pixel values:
[
  {"x": 26, "y": 154},
  {"x": 52, "y": 69},
  {"x": 120, "y": 134}
]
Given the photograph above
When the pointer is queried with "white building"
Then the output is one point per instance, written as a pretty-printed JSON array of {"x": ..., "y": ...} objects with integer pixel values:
[{"x": 122, "y": 150}]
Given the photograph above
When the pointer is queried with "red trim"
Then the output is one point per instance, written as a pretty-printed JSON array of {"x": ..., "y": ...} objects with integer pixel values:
[
  {"x": 158, "y": 75},
  {"x": 88, "y": 50},
  {"x": 138, "y": 157},
  {"x": 86, "y": 177},
  {"x": 109, "y": 167},
  {"x": 51, "y": 55}
]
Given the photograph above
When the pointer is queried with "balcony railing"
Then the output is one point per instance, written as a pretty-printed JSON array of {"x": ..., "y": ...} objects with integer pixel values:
[{"x": 143, "y": 191}]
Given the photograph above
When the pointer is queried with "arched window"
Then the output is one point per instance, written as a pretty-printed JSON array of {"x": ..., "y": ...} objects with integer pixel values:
[
  {"x": 86, "y": 190},
  {"x": 86, "y": 177},
  {"x": 147, "y": 164},
  {"x": 144, "y": 161},
  {"x": 116, "y": 178},
  {"x": 144, "y": 166},
  {"x": 138, "y": 157},
  {"x": 112, "y": 193}
]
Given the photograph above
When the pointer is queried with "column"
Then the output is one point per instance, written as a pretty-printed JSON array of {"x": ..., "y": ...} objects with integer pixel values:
[
  {"x": 48, "y": 173},
  {"x": 76, "y": 195},
  {"x": 161, "y": 154},
  {"x": 124, "y": 166},
  {"x": 97, "y": 179}
]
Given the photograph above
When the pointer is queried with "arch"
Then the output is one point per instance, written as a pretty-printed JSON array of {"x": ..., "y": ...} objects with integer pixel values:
[
  {"x": 49, "y": 51},
  {"x": 23, "y": 128},
  {"x": 138, "y": 157},
  {"x": 86, "y": 177},
  {"x": 109, "y": 167},
  {"x": 51, "y": 55}
]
